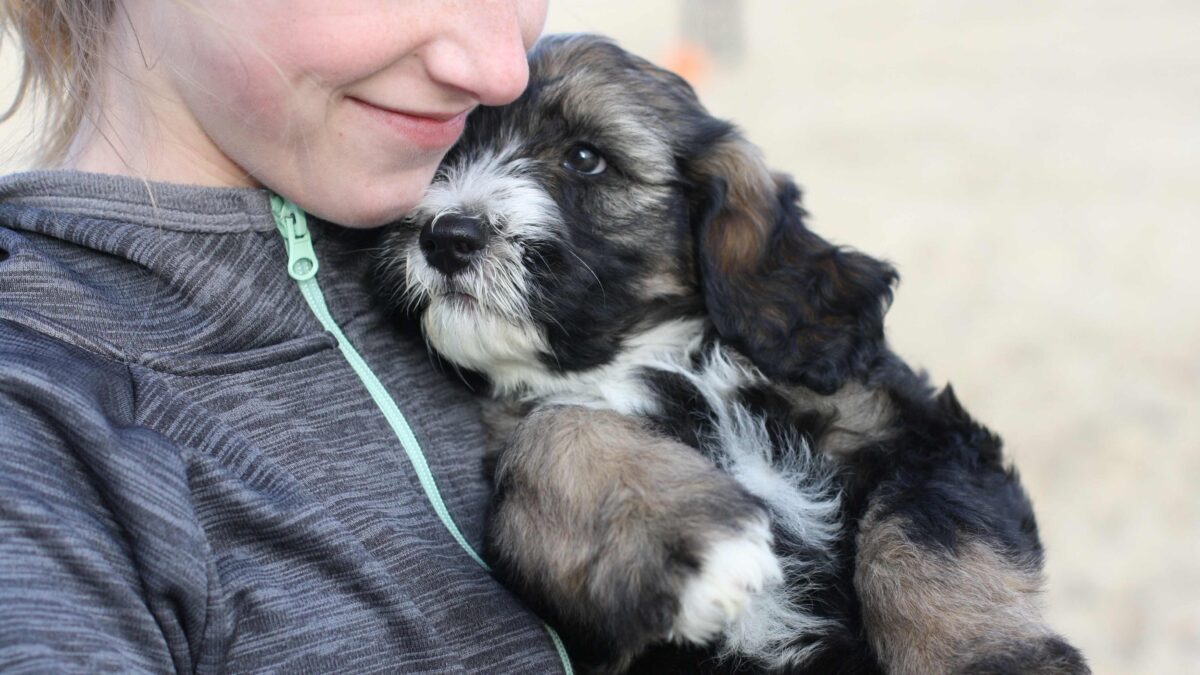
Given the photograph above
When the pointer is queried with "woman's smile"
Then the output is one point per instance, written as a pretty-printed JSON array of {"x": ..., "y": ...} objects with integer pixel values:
[{"x": 426, "y": 130}]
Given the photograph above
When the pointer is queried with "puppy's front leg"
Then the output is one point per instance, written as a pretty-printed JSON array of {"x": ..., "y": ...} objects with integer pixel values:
[{"x": 623, "y": 538}]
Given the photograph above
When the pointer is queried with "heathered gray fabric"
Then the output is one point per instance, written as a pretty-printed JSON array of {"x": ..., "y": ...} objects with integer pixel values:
[{"x": 191, "y": 476}]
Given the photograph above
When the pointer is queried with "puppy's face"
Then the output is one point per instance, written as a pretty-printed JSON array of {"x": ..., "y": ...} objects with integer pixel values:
[
  {"x": 557, "y": 222},
  {"x": 605, "y": 200}
]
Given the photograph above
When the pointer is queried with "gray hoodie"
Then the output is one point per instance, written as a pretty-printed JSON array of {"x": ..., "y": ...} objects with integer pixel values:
[{"x": 192, "y": 477}]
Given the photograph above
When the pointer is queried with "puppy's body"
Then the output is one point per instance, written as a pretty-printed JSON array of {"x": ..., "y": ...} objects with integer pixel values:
[
  {"x": 703, "y": 438},
  {"x": 677, "y": 392}
]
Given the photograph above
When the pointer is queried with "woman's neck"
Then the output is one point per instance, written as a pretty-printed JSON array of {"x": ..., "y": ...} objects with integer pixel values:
[{"x": 138, "y": 125}]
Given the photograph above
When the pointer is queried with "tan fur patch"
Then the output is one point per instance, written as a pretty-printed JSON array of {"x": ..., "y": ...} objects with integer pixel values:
[
  {"x": 663, "y": 285},
  {"x": 595, "y": 499},
  {"x": 929, "y": 612},
  {"x": 737, "y": 238},
  {"x": 862, "y": 415}
]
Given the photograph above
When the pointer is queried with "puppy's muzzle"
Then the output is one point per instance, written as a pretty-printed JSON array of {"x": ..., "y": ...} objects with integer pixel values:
[{"x": 450, "y": 243}]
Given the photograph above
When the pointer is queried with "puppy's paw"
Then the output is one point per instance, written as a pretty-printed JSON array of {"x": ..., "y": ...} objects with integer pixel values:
[{"x": 732, "y": 571}]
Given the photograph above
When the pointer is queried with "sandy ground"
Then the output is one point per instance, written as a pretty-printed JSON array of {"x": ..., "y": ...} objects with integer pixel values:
[{"x": 1034, "y": 171}]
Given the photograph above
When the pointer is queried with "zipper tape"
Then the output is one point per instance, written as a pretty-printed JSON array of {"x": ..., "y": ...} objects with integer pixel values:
[{"x": 302, "y": 265}]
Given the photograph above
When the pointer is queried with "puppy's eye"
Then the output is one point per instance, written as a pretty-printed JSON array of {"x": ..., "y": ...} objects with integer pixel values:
[{"x": 583, "y": 158}]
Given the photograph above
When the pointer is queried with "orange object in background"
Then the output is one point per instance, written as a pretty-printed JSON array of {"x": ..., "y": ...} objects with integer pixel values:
[
  {"x": 712, "y": 35},
  {"x": 689, "y": 61}
]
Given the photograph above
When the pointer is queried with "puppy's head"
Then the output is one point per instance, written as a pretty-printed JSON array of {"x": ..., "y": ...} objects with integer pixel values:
[{"x": 605, "y": 201}]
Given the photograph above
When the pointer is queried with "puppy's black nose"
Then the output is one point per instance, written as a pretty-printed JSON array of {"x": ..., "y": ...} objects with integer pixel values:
[{"x": 449, "y": 242}]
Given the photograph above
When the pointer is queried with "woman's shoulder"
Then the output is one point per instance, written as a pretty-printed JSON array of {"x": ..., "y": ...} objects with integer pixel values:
[
  {"x": 45, "y": 380},
  {"x": 166, "y": 206},
  {"x": 49, "y": 298},
  {"x": 69, "y": 427},
  {"x": 27, "y": 352},
  {"x": 128, "y": 269}
]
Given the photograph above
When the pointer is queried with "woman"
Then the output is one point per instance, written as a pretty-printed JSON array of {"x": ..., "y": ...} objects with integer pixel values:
[{"x": 195, "y": 473}]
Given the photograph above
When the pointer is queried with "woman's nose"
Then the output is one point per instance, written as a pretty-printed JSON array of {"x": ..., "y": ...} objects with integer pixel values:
[{"x": 484, "y": 55}]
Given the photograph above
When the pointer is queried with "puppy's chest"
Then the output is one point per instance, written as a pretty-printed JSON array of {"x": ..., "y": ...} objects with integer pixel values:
[
  {"x": 721, "y": 415},
  {"x": 710, "y": 398}
]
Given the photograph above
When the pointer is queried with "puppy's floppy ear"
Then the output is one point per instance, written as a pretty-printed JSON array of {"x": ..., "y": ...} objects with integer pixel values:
[{"x": 803, "y": 310}]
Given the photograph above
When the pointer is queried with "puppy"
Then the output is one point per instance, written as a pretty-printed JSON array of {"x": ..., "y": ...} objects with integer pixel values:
[{"x": 706, "y": 457}]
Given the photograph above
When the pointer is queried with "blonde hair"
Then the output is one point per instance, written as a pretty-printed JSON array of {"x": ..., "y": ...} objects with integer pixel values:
[{"x": 62, "y": 41}]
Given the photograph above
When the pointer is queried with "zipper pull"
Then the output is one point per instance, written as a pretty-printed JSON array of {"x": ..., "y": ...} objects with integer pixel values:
[{"x": 293, "y": 225}]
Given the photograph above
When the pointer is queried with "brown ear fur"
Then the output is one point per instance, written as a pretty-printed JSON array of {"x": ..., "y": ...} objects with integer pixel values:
[{"x": 805, "y": 311}]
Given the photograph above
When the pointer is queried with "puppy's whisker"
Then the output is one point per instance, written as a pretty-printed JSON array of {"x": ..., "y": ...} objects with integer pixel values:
[
  {"x": 534, "y": 250},
  {"x": 590, "y": 271}
]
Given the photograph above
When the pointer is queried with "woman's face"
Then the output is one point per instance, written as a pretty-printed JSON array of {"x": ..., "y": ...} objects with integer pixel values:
[{"x": 346, "y": 107}]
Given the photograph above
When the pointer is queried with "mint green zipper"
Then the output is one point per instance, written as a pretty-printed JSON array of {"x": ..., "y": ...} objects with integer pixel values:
[{"x": 302, "y": 265}]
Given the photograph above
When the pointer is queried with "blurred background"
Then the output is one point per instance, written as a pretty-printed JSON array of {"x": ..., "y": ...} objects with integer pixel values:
[{"x": 1033, "y": 169}]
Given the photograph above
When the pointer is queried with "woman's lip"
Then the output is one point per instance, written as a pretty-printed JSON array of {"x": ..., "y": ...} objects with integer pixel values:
[{"x": 432, "y": 131}]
